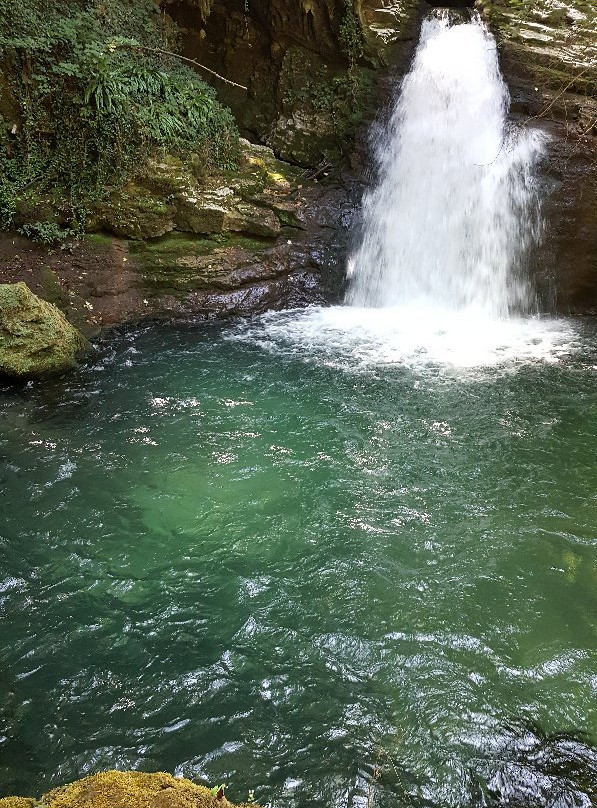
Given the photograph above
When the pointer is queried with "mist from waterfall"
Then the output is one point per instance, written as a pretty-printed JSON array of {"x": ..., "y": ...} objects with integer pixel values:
[{"x": 455, "y": 208}]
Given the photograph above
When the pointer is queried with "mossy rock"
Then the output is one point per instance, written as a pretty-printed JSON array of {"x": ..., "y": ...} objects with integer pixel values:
[
  {"x": 167, "y": 196},
  {"x": 35, "y": 337},
  {"x": 124, "y": 790},
  {"x": 178, "y": 264}
]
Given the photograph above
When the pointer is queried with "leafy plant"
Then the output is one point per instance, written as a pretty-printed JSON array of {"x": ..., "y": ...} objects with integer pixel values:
[
  {"x": 87, "y": 94},
  {"x": 218, "y": 791},
  {"x": 351, "y": 34},
  {"x": 46, "y": 232}
]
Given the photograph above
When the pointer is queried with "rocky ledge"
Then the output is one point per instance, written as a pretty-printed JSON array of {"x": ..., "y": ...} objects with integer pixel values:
[
  {"x": 548, "y": 54},
  {"x": 177, "y": 243},
  {"x": 125, "y": 790}
]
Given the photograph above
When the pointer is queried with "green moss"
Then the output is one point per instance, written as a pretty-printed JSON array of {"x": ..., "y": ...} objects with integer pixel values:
[
  {"x": 178, "y": 264},
  {"x": 35, "y": 337},
  {"x": 51, "y": 288},
  {"x": 99, "y": 240},
  {"x": 329, "y": 103}
]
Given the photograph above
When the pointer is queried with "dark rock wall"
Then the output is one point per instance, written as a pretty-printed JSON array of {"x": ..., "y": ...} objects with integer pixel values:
[{"x": 311, "y": 66}]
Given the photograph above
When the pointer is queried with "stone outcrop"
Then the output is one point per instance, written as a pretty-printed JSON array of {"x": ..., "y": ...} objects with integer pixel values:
[
  {"x": 172, "y": 195},
  {"x": 176, "y": 243},
  {"x": 114, "y": 789},
  {"x": 35, "y": 337},
  {"x": 548, "y": 53}
]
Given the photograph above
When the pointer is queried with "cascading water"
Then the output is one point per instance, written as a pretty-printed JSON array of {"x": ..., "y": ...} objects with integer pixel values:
[
  {"x": 455, "y": 208},
  {"x": 438, "y": 278}
]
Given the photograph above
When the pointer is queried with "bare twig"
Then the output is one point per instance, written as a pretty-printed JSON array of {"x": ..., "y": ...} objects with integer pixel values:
[
  {"x": 163, "y": 52},
  {"x": 544, "y": 112},
  {"x": 591, "y": 126},
  {"x": 558, "y": 96}
]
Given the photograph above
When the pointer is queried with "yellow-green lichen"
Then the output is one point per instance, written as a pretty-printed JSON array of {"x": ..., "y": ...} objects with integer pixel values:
[
  {"x": 35, "y": 337},
  {"x": 114, "y": 789}
]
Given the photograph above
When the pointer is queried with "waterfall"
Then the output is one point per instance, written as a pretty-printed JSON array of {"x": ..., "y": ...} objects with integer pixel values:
[
  {"x": 455, "y": 209},
  {"x": 439, "y": 277}
]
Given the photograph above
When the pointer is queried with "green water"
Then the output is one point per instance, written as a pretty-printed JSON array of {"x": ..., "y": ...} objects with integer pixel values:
[{"x": 326, "y": 583}]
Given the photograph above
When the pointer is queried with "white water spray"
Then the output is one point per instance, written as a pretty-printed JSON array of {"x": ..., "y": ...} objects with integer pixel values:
[
  {"x": 438, "y": 279},
  {"x": 455, "y": 208}
]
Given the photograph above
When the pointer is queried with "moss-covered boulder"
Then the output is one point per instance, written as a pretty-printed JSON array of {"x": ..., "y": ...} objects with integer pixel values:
[
  {"x": 35, "y": 337},
  {"x": 124, "y": 790}
]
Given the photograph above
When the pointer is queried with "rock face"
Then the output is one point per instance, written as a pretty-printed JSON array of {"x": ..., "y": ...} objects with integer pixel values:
[
  {"x": 175, "y": 243},
  {"x": 548, "y": 53},
  {"x": 124, "y": 790},
  {"x": 240, "y": 242},
  {"x": 35, "y": 337},
  {"x": 311, "y": 66},
  {"x": 170, "y": 194}
]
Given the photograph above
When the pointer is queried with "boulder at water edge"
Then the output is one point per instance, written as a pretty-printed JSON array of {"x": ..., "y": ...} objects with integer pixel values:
[
  {"x": 35, "y": 337},
  {"x": 126, "y": 790}
]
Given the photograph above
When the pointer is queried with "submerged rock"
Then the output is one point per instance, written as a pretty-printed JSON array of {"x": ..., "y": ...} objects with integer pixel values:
[
  {"x": 114, "y": 789},
  {"x": 17, "y": 802},
  {"x": 35, "y": 337}
]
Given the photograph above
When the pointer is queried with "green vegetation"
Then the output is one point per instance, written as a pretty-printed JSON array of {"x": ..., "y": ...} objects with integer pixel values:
[
  {"x": 86, "y": 96},
  {"x": 340, "y": 99},
  {"x": 351, "y": 34}
]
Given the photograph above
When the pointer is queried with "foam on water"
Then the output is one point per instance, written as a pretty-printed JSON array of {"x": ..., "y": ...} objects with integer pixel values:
[{"x": 414, "y": 336}]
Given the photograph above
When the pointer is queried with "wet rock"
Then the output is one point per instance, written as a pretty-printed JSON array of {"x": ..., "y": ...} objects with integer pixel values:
[{"x": 35, "y": 337}]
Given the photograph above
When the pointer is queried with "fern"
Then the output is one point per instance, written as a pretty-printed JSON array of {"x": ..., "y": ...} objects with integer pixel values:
[{"x": 92, "y": 105}]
